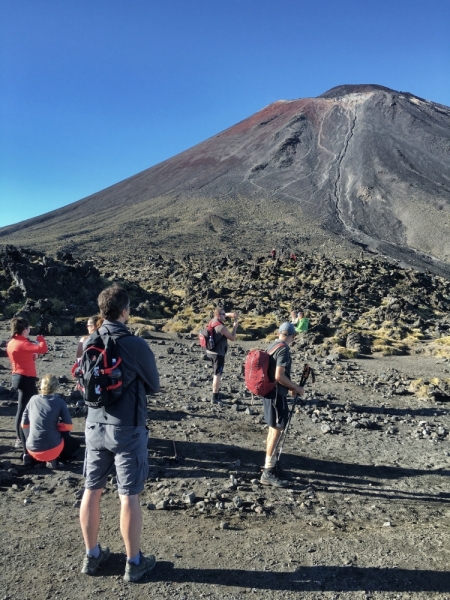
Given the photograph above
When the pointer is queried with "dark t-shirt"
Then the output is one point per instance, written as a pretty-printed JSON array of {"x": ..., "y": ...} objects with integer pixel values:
[
  {"x": 220, "y": 341},
  {"x": 280, "y": 358}
]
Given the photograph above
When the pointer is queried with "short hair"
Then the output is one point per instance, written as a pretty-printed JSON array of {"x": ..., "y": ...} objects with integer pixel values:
[
  {"x": 49, "y": 384},
  {"x": 218, "y": 310},
  {"x": 18, "y": 325},
  {"x": 112, "y": 301}
]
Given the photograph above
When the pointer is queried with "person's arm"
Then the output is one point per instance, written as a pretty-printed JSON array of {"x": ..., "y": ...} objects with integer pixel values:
[
  {"x": 231, "y": 335},
  {"x": 66, "y": 422},
  {"x": 38, "y": 347},
  {"x": 283, "y": 379},
  {"x": 80, "y": 346},
  {"x": 42, "y": 345},
  {"x": 146, "y": 367}
]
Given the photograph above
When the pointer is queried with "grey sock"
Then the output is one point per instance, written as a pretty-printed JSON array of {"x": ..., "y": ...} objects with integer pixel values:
[{"x": 94, "y": 552}]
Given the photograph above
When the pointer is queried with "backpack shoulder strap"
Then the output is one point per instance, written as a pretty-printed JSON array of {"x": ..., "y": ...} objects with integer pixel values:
[
  {"x": 116, "y": 335},
  {"x": 214, "y": 322},
  {"x": 272, "y": 350}
]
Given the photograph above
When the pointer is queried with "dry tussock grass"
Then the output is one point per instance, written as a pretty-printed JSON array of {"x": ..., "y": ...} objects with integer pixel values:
[{"x": 343, "y": 352}]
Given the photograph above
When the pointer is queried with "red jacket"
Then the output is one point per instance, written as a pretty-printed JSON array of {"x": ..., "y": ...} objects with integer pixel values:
[{"x": 21, "y": 353}]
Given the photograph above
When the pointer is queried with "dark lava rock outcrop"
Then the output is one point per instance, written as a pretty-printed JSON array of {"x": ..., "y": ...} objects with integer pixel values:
[
  {"x": 52, "y": 292},
  {"x": 356, "y": 306},
  {"x": 364, "y": 163}
]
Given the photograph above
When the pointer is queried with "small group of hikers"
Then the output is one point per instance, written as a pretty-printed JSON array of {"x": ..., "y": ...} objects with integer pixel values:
[
  {"x": 42, "y": 422},
  {"x": 116, "y": 436},
  {"x": 281, "y": 253}
]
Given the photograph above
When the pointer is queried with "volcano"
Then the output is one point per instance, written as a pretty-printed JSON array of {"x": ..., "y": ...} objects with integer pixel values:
[{"x": 361, "y": 166}]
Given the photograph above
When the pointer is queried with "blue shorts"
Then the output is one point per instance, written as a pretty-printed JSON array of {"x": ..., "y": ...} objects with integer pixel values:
[{"x": 125, "y": 447}]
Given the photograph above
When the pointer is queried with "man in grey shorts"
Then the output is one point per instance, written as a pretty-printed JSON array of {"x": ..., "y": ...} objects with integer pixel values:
[
  {"x": 117, "y": 435},
  {"x": 275, "y": 404}
]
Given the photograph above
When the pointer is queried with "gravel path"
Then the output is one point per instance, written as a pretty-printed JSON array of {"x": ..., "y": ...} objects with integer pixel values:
[{"x": 366, "y": 514}]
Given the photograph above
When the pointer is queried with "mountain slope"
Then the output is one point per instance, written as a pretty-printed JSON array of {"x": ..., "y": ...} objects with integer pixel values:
[{"x": 360, "y": 163}]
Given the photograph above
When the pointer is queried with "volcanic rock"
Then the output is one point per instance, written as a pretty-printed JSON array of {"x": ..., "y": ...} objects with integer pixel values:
[{"x": 360, "y": 164}]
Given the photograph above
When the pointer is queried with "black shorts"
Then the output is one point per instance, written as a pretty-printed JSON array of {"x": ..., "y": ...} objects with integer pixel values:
[
  {"x": 218, "y": 363},
  {"x": 276, "y": 412}
]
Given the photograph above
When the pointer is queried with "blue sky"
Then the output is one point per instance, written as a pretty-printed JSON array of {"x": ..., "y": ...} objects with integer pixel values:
[{"x": 94, "y": 91}]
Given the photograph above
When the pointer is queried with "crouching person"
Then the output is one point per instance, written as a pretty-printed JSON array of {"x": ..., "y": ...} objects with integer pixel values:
[{"x": 47, "y": 424}]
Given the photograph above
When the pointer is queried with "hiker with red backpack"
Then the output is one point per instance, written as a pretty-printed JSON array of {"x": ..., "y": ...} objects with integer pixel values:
[
  {"x": 275, "y": 402},
  {"x": 218, "y": 345}
]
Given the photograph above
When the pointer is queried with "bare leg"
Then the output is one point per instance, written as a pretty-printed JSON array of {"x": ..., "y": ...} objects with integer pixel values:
[
  {"x": 90, "y": 517},
  {"x": 131, "y": 523},
  {"x": 216, "y": 383},
  {"x": 272, "y": 439}
]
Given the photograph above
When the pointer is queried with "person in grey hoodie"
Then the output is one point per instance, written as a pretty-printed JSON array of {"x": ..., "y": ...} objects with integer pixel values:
[
  {"x": 47, "y": 424},
  {"x": 117, "y": 435}
]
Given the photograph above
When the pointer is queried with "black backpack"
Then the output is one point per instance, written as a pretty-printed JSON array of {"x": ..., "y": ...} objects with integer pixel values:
[{"x": 98, "y": 372}]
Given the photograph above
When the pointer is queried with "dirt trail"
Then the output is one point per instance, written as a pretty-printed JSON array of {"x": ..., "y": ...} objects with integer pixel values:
[{"x": 366, "y": 515}]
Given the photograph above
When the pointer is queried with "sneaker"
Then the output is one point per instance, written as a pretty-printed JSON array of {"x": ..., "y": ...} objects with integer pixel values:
[
  {"x": 91, "y": 564},
  {"x": 51, "y": 464},
  {"x": 18, "y": 443},
  {"x": 135, "y": 572},
  {"x": 269, "y": 477}
]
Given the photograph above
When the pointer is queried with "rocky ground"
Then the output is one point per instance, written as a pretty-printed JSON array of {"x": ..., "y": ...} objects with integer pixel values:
[{"x": 366, "y": 514}]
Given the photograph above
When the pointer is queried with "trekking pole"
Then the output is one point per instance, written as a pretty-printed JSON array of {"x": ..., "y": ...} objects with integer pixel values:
[{"x": 307, "y": 371}]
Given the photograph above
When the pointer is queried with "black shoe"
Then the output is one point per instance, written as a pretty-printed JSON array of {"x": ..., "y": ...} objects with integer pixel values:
[
  {"x": 216, "y": 399},
  {"x": 269, "y": 477}
]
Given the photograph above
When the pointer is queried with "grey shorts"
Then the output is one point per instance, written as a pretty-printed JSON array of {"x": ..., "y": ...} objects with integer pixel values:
[
  {"x": 276, "y": 412},
  {"x": 124, "y": 447}
]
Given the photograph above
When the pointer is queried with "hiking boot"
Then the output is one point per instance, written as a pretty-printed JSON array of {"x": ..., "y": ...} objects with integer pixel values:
[
  {"x": 51, "y": 464},
  {"x": 135, "y": 572},
  {"x": 269, "y": 477},
  {"x": 280, "y": 472},
  {"x": 91, "y": 564}
]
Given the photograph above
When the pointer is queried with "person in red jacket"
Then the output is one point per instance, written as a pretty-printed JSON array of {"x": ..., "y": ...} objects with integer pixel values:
[{"x": 22, "y": 353}]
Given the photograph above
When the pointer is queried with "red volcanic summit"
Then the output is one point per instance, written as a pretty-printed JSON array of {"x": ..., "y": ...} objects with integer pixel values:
[{"x": 359, "y": 164}]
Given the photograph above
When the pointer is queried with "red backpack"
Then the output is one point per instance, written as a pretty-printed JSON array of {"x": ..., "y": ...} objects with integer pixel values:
[
  {"x": 206, "y": 337},
  {"x": 256, "y": 371}
]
